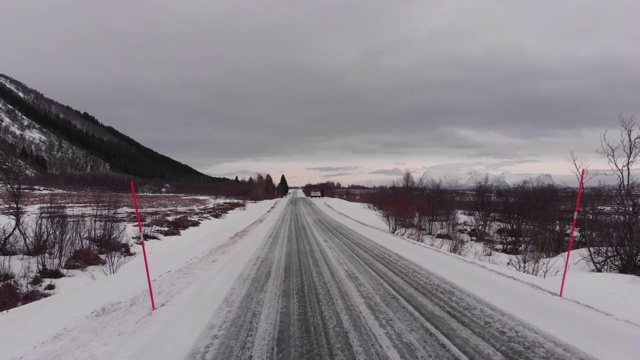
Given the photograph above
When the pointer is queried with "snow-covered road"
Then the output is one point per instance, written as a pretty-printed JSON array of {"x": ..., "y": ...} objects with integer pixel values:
[
  {"x": 321, "y": 278},
  {"x": 317, "y": 289}
]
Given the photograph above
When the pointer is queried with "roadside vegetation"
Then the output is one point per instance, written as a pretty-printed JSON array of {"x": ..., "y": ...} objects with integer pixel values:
[
  {"x": 529, "y": 223},
  {"x": 89, "y": 221}
]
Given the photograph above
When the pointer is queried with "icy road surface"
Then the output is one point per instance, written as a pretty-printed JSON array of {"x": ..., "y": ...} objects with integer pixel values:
[{"x": 317, "y": 289}]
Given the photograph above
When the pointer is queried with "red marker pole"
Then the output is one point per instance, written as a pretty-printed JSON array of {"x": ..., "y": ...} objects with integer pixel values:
[
  {"x": 573, "y": 230},
  {"x": 144, "y": 251}
]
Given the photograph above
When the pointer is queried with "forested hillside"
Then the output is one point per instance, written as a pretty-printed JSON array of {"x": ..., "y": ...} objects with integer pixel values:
[{"x": 49, "y": 137}]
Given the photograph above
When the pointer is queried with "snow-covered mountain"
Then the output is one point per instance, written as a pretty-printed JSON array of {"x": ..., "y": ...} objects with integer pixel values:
[
  {"x": 47, "y": 137},
  {"x": 528, "y": 179},
  {"x": 468, "y": 178},
  {"x": 33, "y": 145}
]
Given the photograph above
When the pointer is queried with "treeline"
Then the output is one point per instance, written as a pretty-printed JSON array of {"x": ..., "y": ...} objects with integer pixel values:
[
  {"x": 260, "y": 188},
  {"x": 530, "y": 223},
  {"x": 263, "y": 187},
  {"x": 122, "y": 153}
]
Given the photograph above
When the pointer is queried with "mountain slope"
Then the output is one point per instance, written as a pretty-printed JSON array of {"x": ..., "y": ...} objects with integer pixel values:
[
  {"x": 468, "y": 178},
  {"x": 55, "y": 138},
  {"x": 463, "y": 179}
]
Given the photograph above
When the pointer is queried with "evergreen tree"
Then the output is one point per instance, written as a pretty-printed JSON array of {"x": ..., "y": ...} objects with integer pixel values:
[
  {"x": 283, "y": 187},
  {"x": 269, "y": 188},
  {"x": 24, "y": 153}
]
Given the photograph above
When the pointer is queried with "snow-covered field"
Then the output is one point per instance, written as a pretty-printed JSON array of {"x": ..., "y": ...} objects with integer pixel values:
[
  {"x": 94, "y": 316},
  {"x": 109, "y": 317}
]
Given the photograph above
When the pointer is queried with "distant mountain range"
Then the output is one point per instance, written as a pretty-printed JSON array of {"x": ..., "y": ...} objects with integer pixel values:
[
  {"x": 468, "y": 178},
  {"x": 458, "y": 176},
  {"x": 51, "y": 138}
]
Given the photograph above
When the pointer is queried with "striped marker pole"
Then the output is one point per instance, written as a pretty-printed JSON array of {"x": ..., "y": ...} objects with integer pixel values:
[
  {"x": 144, "y": 250},
  {"x": 573, "y": 230}
]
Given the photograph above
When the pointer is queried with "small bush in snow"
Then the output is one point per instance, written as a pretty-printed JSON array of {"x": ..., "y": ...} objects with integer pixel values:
[
  {"x": 83, "y": 258},
  {"x": 50, "y": 286},
  {"x": 116, "y": 259},
  {"x": 37, "y": 280},
  {"x": 50, "y": 273},
  {"x": 31, "y": 296},
  {"x": 174, "y": 227},
  {"x": 9, "y": 295},
  {"x": 6, "y": 276}
]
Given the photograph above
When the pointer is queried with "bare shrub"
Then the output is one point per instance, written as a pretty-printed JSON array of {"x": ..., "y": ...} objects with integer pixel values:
[
  {"x": 6, "y": 273},
  {"x": 50, "y": 273},
  {"x": 175, "y": 226},
  {"x": 612, "y": 234},
  {"x": 149, "y": 232},
  {"x": 108, "y": 231},
  {"x": 37, "y": 280},
  {"x": 487, "y": 249},
  {"x": 220, "y": 210},
  {"x": 439, "y": 241},
  {"x": 485, "y": 254},
  {"x": 8, "y": 241},
  {"x": 109, "y": 236},
  {"x": 12, "y": 175},
  {"x": 532, "y": 262},
  {"x": 115, "y": 260},
  {"x": 458, "y": 246},
  {"x": 53, "y": 225},
  {"x": 83, "y": 258},
  {"x": 107, "y": 227},
  {"x": 485, "y": 208},
  {"x": 32, "y": 295},
  {"x": 396, "y": 212},
  {"x": 9, "y": 295}
]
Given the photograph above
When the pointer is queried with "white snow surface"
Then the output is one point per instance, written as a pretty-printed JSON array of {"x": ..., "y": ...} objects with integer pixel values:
[
  {"x": 20, "y": 125},
  {"x": 110, "y": 317},
  {"x": 11, "y": 86}
]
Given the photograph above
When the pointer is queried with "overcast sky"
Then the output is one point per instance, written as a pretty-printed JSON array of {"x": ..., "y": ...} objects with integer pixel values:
[{"x": 338, "y": 90}]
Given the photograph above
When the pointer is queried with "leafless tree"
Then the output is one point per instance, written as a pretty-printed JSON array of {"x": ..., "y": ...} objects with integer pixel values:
[
  {"x": 485, "y": 209},
  {"x": 107, "y": 234},
  {"x": 53, "y": 234},
  {"x": 532, "y": 261},
  {"x": 12, "y": 175},
  {"x": 576, "y": 164},
  {"x": 407, "y": 181},
  {"x": 619, "y": 250},
  {"x": 115, "y": 260}
]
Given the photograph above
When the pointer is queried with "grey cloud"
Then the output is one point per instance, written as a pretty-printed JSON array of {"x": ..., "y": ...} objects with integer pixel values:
[
  {"x": 234, "y": 81},
  {"x": 333, "y": 168},
  {"x": 502, "y": 164},
  {"x": 390, "y": 172},
  {"x": 336, "y": 175},
  {"x": 239, "y": 173}
]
